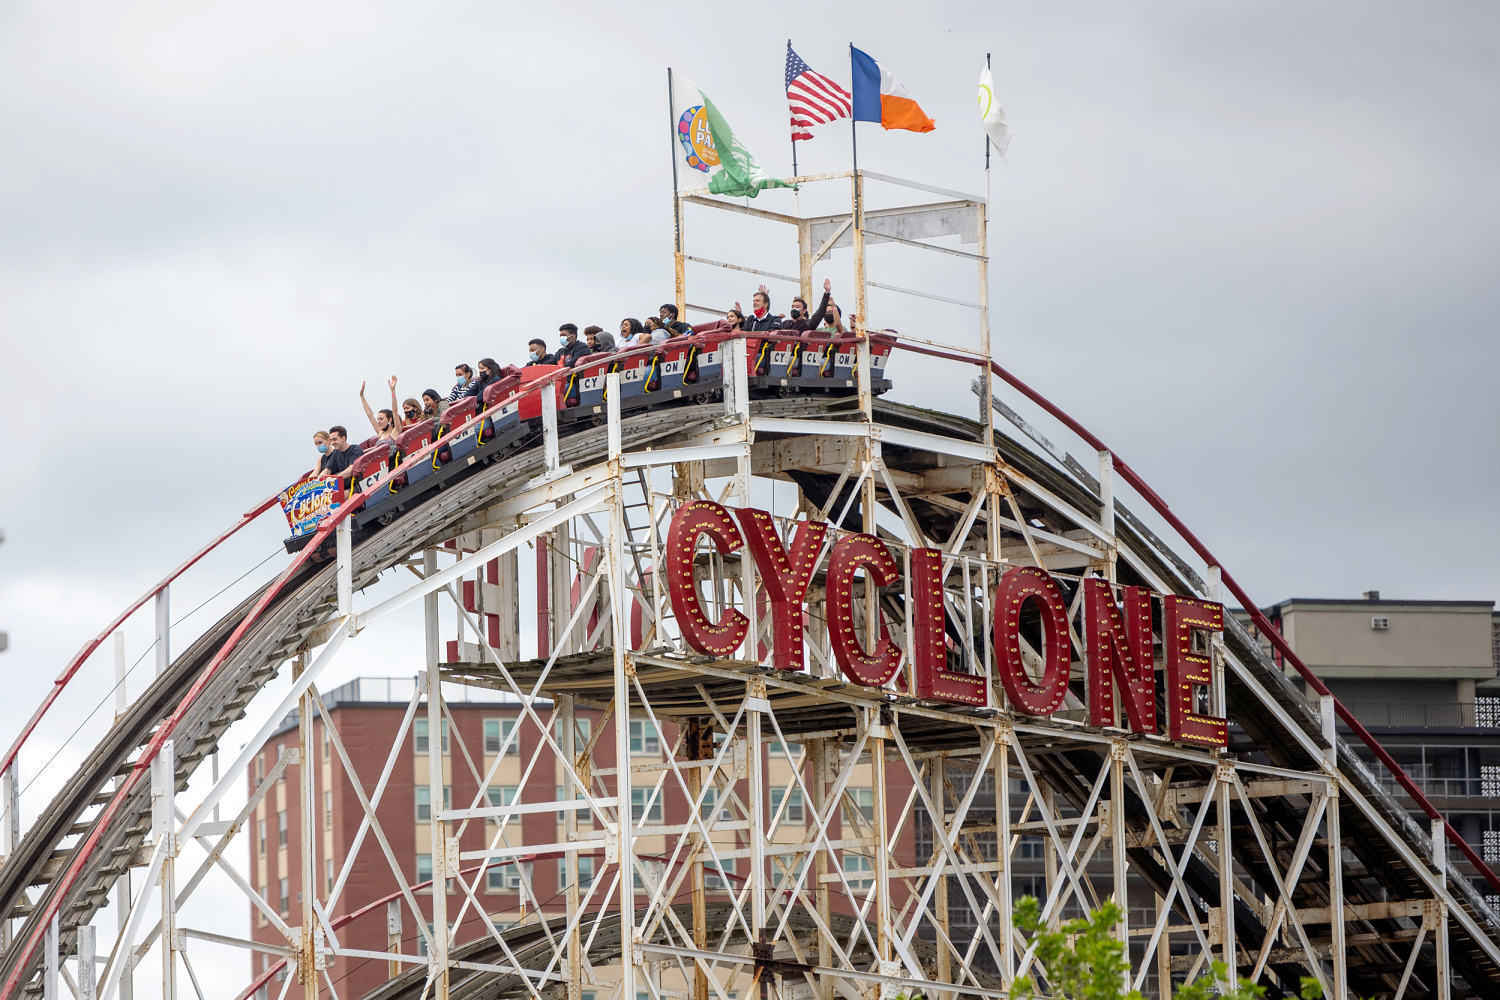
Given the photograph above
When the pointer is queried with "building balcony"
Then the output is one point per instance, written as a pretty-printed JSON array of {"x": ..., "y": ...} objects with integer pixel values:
[{"x": 1428, "y": 715}]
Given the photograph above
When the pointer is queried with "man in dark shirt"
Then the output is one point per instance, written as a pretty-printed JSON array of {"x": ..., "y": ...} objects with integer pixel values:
[
  {"x": 675, "y": 326},
  {"x": 341, "y": 454},
  {"x": 572, "y": 348},
  {"x": 761, "y": 317},
  {"x": 800, "y": 320},
  {"x": 538, "y": 355}
]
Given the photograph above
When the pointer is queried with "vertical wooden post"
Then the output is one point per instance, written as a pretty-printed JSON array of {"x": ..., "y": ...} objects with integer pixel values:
[
  {"x": 436, "y": 828},
  {"x": 393, "y": 936},
  {"x": 307, "y": 962}
]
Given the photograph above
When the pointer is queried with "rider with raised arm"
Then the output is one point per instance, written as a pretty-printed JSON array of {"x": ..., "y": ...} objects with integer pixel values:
[{"x": 387, "y": 425}]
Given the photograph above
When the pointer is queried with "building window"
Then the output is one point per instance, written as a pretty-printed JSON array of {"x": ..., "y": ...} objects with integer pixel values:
[
  {"x": 328, "y": 810},
  {"x": 260, "y": 767},
  {"x": 260, "y": 829},
  {"x": 327, "y": 743},
  {"x": 328, "y": 875},
  {"x": 710, "y": 799},
  {"x": 779, "y": 750},
  {"x": 286, "y": 897},
  {"x": 424, "y": 867},
  {"x": 281, "y": 829},
  {"x": 500, "y": 795},
  {"x": 638, "y": 797},
  {"x": 585, "y": 873},
  {"x": 714, "y": 872},
  {"x": 503, "y": 876},
  {"x": 794, "y": 809},
  {"x": 562, "y": 814},
  {"x": 1030, "y": 848},
  {"x": 424, "y": 801},
  {"x": 260, "y": 915},
  {"x": 496, "y": 732},
  {"x": 858, "y": 869},
  {"x": 645, "y": 738},
  {"x": 864, "y": 802},
  {"x": 581, "y": 731},
  {"x": 419, "y": 734}
]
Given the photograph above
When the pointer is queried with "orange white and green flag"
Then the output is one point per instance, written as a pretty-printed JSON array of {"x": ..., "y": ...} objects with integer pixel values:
[{"x": 880, "y": 97}]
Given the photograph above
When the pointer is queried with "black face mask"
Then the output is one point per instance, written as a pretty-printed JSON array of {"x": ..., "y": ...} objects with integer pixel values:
[{"x": 796, "y": 313}]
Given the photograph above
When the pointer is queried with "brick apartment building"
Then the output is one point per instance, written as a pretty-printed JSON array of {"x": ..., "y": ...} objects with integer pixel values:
[{"x": 367, "y": 714}]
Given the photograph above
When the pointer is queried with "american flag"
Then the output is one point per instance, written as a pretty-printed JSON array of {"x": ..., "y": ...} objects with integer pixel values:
[{"x": 814, "y": 99}]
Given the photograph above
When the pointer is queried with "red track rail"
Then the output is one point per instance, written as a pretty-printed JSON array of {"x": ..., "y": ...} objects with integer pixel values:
[
  {"x": 142, "y": 765},
  {"x": 88, "y": 648}
]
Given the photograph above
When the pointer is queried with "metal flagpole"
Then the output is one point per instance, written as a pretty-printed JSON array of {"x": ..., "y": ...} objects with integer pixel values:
[
  {"x": 804, "y": 250},
  {"x": 680, "y": 278},
  {"x": 987, "y": 415},
  {"x": 793, "y": 127},
  {"x": 857, "y": 222}
]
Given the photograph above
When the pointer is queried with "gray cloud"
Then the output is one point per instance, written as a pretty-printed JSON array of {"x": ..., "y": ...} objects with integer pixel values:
[{"x": 1254, "y": 247}]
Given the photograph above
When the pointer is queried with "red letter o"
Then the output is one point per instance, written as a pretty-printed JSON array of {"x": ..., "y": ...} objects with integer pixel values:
[{"x": 1019, "y": 585}]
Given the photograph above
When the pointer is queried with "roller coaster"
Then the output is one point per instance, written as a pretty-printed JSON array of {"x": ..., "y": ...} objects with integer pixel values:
[{"x": 1278, "y": 853}]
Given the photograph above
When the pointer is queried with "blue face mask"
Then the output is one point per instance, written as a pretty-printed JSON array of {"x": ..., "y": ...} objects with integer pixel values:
[
  {"x": 323, "y": 449},
  {"x": 535, "y": 356}
]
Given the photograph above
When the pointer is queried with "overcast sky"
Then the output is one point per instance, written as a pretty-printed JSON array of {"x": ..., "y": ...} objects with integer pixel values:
[{"x": 1253, "y": 246}]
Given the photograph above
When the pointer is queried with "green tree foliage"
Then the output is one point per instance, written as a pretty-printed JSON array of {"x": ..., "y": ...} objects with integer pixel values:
[{"x": 1085, "y": 961}]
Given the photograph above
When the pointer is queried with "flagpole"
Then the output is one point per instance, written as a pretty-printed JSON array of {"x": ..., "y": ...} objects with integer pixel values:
[
  {"x": 858, "y": 223},
  {"x": 986, "y": 411},
  {"x": 804, "y": 249},
  {"x": 680, "y": 278}
]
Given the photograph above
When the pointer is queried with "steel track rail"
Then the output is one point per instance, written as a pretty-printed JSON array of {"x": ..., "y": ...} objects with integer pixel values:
[
  {"x": 109, "y": 840},
  {"x": 234, "y": 656}
]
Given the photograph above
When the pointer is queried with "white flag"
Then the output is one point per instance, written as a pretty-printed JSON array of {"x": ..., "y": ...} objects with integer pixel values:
[{"x": 991, "y": 114}]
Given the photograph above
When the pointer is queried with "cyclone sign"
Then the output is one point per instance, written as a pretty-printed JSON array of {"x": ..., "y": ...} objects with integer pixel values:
[
  {"x": 697, "y": 139},
  {"x": 1119, "y": 661}
]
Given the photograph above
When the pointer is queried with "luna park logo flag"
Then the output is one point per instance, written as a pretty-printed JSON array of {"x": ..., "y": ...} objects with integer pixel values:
[{"x": 697, "y": 139}]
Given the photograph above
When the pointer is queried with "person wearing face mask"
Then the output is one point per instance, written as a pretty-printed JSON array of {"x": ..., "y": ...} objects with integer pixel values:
[
  {"x": 341, "y": 453},
  {"x": 833, "y": 321},
  {"x": 464, "y": 374},
  {"x": 320, "y": 442},
  {"x": 572, "y": 348},
  {"x": 761, "y": 318},
  {"x": 538, "y": 353},
  {"x": 674, "y": 326},
  {"x": 798, "y": 319},
  {"x": 489, "y": 371}
]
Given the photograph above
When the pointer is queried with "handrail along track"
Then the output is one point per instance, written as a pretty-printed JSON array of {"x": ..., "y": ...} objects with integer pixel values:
[{"x": 301, "y": 583}]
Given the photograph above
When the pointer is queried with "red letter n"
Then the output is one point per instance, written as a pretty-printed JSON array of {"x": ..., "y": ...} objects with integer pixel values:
[{"x": 1119, "y": 656}]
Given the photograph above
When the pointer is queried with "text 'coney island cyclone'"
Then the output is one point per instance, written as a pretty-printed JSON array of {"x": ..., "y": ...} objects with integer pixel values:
[{"x": 1118, "y": 638}]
